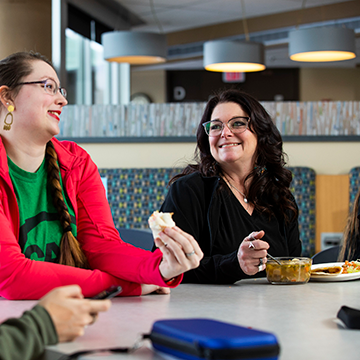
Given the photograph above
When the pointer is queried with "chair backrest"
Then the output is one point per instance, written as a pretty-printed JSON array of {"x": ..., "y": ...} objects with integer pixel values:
[
  {"x": 327, "y": 255},
  {"x": 354, "y": 183},
  {"x": 135, "y": 193},
  {"x": 303, "y": 189},
  {"x": 139, "y": 238}
]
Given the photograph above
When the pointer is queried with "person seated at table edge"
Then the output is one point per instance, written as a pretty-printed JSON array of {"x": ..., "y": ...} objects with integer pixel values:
[
  {"x": 350, "y": 246},
  {"x": 60, "y": 316},
  {"x": 235, "y": 201},
  {"x": 57, "y": 227}
]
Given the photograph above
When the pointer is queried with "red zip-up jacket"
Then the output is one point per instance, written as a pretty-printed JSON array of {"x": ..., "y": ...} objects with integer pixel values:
[{"x": 113, "y": 262}]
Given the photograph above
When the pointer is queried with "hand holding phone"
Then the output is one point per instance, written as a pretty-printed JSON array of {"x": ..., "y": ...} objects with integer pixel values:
[{"x": 108, "y": 293}]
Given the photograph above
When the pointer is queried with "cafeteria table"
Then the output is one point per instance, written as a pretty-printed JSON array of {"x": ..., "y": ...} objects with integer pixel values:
[{"x": 303, "y": 318}]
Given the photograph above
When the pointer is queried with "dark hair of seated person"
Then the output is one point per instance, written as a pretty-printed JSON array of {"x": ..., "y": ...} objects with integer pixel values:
[{"x": 350, "y": 249}]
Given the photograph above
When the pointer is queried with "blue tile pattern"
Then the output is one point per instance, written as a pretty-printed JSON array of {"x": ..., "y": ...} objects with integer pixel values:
[
  {"x": 354, "y": 180},
  {"x": 133, "y": 195},
  {"x": 303, "y": 189}
]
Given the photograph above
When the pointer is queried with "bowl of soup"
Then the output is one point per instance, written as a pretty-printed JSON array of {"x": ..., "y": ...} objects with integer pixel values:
[{"x": 289, "y": 270}]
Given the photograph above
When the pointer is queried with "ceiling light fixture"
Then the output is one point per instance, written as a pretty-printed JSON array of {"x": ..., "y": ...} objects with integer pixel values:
[
  {"x": 133, "y": 47},
  {"x": 233, "y": 55},
  {"x": 322, "y": 44}
]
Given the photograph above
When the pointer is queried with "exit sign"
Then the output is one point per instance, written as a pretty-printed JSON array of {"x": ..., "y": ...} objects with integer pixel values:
[{"x": 233, "y": 77}]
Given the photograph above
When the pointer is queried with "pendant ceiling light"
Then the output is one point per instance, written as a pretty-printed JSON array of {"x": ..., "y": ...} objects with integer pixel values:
[
  {"x": 134, "y": 47},
  {"x": 322, "y": 44},
  {"x": 233, "y": 55}
]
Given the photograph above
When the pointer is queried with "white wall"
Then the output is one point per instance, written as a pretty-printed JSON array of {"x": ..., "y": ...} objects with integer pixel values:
[
  {"x": 140, "y": 155},
  {"x": 327, "y": 158},
  {"x": 152, "y": 83},
  {"x": 333, "y": 84},
  {"x": 25, "y": 26}
]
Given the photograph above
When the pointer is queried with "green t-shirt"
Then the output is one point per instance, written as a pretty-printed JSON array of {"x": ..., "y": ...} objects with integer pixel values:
[{"x": 40, "y": 227}]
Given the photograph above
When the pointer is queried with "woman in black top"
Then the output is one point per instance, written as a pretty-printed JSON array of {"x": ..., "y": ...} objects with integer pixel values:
[{"x": 235, "y": 201}]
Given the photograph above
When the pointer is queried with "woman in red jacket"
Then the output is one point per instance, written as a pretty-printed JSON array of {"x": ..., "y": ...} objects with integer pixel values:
[{"x": 56, "y": 224}]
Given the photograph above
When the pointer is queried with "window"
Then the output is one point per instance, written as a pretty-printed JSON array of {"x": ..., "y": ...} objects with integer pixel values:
[{"x": 87, "y": 73}]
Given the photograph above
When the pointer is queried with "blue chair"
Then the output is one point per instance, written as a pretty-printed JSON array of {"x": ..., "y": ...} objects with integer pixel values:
[
  {"x": 135, "y": 193},
  {"x": 303, "y": 189},
  {"x": 326, "y": 256},
  {"x": 354, "y": 181},
  {"x": 138, "y": 237}
]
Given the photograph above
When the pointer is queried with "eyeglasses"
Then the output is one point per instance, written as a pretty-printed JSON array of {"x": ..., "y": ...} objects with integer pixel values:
[
  {"x": 50, "y": 86},
  {"x": 236, "y": 125}
]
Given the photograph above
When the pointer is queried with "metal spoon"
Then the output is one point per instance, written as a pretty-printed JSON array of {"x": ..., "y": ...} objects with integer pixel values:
[{"x": 272, "y": 258}]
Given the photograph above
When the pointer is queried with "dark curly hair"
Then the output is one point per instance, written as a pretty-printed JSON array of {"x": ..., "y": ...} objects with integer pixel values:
[{"x": 269, "y": 188}]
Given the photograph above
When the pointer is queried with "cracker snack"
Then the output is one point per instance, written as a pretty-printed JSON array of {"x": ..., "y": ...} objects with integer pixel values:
[{"x": 158, "y": 221}]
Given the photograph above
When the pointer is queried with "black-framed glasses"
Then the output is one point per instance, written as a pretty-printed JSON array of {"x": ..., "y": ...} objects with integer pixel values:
[
  {"x": 236, "y": 125},
  {"x": 50, "y": 86}
]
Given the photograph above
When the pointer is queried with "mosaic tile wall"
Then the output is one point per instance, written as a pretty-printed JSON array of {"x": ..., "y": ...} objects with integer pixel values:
[
  {"x": 181, "y": 119},
  {"x": 134, "y": 194}
]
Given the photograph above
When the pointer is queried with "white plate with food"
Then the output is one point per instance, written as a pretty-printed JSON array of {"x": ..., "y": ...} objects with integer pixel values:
[{"x": 334, "y": 272}]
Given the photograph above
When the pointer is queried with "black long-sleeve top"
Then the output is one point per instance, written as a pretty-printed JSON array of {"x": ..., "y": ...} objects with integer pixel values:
[{"x": 219, "y": 223}]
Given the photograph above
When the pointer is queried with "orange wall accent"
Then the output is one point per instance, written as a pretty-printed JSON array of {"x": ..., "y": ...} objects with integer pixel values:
[{"x": 332, "y": 204}]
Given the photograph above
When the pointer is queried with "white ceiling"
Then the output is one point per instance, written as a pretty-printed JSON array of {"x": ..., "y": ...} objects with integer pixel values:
[{"x": 176, "y": 15}]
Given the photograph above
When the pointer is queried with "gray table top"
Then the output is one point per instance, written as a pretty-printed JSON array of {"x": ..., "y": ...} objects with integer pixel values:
[{"x": 303, "y": 317}]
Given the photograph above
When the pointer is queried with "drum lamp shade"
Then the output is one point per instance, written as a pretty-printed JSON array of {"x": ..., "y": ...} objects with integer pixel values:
[
  {"x": 134, "y": 47},
  {"x": 233, "y": 56},
  {"x": 322, "y": 44}
]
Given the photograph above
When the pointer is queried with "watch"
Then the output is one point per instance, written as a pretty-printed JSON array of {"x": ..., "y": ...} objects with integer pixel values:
[{"x": 140, "y": 98}]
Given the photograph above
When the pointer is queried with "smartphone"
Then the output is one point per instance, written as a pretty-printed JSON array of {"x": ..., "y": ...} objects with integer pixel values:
[
  {"x": 108, "y": 293},
  {"x": 350, "y": 317}
]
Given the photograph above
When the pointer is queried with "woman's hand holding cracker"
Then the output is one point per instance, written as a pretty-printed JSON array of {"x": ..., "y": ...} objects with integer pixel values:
[{"x": 180, "y": 251}]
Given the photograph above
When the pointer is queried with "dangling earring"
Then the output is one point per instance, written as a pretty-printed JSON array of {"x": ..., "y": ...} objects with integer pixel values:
[{"x": 7, "y": 126}]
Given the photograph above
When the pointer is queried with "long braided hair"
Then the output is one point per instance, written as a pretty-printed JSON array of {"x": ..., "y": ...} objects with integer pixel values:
[{"x": 70, "y": 250}]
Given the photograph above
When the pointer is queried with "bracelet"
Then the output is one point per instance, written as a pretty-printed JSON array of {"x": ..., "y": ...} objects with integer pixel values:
[{"x": 171, "y": 281}]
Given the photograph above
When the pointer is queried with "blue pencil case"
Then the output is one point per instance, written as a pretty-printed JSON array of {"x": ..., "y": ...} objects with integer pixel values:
[{"x": 197, "y": 339}]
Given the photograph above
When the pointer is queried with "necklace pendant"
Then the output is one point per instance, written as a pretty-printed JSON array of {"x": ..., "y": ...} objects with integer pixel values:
[{"x": 245, "y": 200}]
